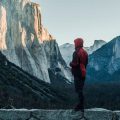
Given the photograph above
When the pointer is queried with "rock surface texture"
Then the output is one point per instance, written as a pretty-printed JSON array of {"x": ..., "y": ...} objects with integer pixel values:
[
  {"x": 24, "y": 40},
  {"x": 104, "y": 63},
  {"x": 37, "y": 114},
  {"x": 20, "y": 89}
]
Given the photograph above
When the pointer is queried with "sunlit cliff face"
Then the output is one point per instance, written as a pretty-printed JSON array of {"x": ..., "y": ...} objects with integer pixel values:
[
  {"x": 20, "y": 23},
  {"x": 24, "y": 40},
  {"x": 3, "y": 28},
  {"x": 41, "y": 32}
]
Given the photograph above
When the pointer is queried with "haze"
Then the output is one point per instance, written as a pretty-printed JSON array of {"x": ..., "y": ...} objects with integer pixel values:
[{"x": 89, "y": 19}]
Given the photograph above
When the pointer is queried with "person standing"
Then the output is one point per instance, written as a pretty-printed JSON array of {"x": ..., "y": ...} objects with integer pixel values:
[{"x": 78, "y": 69}]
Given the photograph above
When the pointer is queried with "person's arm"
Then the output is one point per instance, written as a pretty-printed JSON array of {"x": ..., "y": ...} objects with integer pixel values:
[{"x": 74, "y": 62}]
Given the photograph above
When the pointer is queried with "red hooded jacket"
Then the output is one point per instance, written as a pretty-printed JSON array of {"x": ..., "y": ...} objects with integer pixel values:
[{"x": 80, "y": 58}]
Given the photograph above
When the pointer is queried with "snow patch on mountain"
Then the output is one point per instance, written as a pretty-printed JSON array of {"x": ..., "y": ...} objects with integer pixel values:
[{"x": 66, "y": 50}]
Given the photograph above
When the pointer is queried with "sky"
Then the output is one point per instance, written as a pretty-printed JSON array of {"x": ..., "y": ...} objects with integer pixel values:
[{"x": 89, "y": 19}]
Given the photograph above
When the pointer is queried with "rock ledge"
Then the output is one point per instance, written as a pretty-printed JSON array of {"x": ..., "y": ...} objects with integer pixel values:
[{"x": 39, "y": 114}]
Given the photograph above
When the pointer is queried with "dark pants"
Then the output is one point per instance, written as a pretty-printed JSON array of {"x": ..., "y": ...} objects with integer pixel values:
[{"x": 79, "y": 85}]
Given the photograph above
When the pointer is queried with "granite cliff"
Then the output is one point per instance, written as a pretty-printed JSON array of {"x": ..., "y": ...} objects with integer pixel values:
[{"x": 25, "y": 42}]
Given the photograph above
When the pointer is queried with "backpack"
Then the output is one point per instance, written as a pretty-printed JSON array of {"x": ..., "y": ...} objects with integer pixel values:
[
  {"x": 80, "y": 68},
  {"x": 76, "y": 70}
]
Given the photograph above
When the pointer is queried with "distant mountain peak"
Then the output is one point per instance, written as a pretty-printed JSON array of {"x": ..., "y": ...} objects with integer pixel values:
[
  {"x": 106, "y": 60},
  {"x": 67, "y": 49},
  {"x": 97, "y": 44},
  {"x": 99, "y": 41}
]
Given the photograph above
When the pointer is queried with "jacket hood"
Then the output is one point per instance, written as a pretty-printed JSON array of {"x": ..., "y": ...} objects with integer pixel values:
[{"x": 78, "y": 42}]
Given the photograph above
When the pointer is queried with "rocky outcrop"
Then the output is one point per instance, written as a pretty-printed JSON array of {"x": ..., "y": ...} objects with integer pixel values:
[
  {"x": 20, "y": 89},
  {"x": 104, "y": 64},
  {"x": 37, "y": 114},
  {"x": 97, "y": 44},
  {"x": 24, "y": 40}
]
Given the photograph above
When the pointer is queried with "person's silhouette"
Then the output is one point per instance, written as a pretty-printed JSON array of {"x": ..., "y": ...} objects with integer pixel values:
[{"x": 78, "y": 68}]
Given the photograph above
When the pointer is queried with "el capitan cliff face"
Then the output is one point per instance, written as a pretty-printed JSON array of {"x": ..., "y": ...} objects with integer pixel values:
[{"x": 24, "y": 40}]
